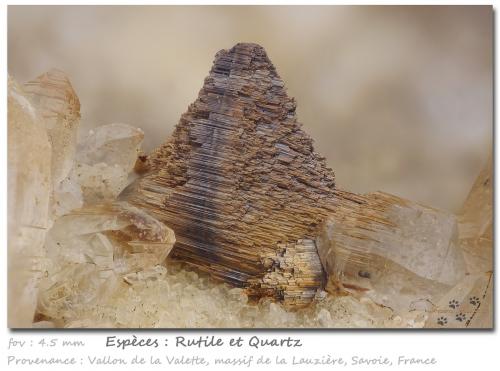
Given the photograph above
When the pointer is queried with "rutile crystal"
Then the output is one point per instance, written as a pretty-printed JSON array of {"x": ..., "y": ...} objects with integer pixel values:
[{"x": 239, "y": 177}]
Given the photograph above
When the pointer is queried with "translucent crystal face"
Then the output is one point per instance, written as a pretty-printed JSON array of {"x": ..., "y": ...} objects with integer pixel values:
[
  {"x": 93, "y": 249},
  {"x": 175, "y": 297},
  {"x": 29, "y": 182},
  {"x": 476, "y": 222},
  {"x": 57, "y": 104},
  {"x": 399, "y": 253},
  {"x": 113, "y": 145},
  {"x": 467, "y": 304},
  {"x": 102, "y": 168}
]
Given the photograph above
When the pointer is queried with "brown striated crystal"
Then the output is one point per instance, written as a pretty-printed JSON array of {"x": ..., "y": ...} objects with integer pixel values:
[{"x": 239, "y": 179}]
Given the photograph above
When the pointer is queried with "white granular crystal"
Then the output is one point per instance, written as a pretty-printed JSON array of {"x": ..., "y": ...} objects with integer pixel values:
[{"x": 180, "y": 298}]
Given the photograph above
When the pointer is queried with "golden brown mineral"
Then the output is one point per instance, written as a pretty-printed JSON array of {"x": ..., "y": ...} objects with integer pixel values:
[{"x": 240, "y": 183}]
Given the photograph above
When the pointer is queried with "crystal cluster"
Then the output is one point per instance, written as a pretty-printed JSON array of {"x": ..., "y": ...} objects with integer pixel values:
[
  {"x": 96, "y": 248},
  {"x": 182, "y": 298},
  {"x": 409, "y": 257},
  {"x": 70, "y": 242},
  {"x": 263, "y": 238}
]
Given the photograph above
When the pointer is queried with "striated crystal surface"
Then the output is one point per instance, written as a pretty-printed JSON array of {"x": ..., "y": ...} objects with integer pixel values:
[
  {"x": 57, "y": 103},
  {"x": 30, "y": 186},
  {"x": 296, "y": 270},
  {"x": 239, "y": 176},
  {"x": 96, "y": 248},
  {"x": 240, "y": 183},
  {"x": 397, "y": 252}
]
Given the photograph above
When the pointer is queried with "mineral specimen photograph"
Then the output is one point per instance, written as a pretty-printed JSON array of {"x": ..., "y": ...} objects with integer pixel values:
[{"x": 250, "y": 167}]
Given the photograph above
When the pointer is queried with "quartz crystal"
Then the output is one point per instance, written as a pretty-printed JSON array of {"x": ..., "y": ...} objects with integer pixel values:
[
  {"x": 106, "y": 158},
  {"x": 96, "y": 248},
  {"x": 264, "y": 237},
  {"x": 469, "y": 304},
  {"x": 178, "y": 297},
  {"x": 113, "y": 145},
  {"x": 400, "y": 253},
  {"x": 29, "y": 185},
  {"x": 53, "y": 96},
  {"x": 104, "y": 162},
  {"x": 476, "y": 223}
]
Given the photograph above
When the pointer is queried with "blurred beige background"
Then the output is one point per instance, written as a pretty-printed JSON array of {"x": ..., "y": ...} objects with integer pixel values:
[{"x": 397, "y": 98}]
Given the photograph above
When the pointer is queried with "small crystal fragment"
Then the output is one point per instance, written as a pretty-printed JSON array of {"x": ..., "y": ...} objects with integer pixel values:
[{"x": 295, "y": 270}]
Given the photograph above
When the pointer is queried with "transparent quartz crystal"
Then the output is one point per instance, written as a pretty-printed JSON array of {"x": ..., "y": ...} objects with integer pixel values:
[
  {"x": 397, "y": 252},
  {"x": 29, "y": 185},
  {"x": 113, "y": 144},
  {"x": 95, "y": 249},
  {"x": 468, "y": 304},
  {"x": 476, "y": 223},
  {"x": 53, "y": 96},
  {"x": 104, "y": 162},
  {"x": 178, "y": 297}
]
